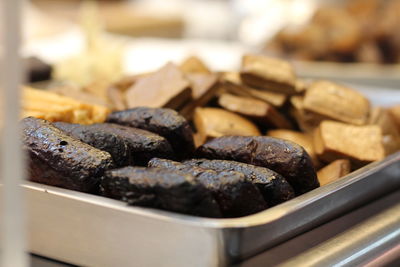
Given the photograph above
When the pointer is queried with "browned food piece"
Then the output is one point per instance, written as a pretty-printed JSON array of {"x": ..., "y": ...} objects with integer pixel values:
[
  {"x": 42, "y": 101},
  {"x": 306, "y": 120},
  {"x": 235, "y": 195},
  {"x": 302, "y": 85},
  {"x": 165, "y": 88},
  {"x": 216, "y": 122},
  {"x": 194, "y": 65},
  {"x": 60, "y": 160},
  {"x": 302, "y": 139},
  {"x": 395, "y": 113},
  {"x": 80, "y": 95},
  {"x": 101, "y": 137},
  {"x": 268, "y": 73},
  {"x": 116, "y": 98},
  {"x": 361, "y": 144},
  {"x": 274, "y": 188},
  {"x": 369, "y": 53},
  {"x": 161, "y": 189},
  {"x": 255, "y": 109},
  {"x": 198, "y": 139},
  {"x": 333, "y": 171},
  {"x": 165, "y": 122},
  {"x": 126, "y": 82},
  {"x": 337, "y": 102},
  {"x": 285, "y": 157},
  {"x": 204, "y": 87},
  {"x": 391, "y": 135},
  {"x": 233, "y": 84}
]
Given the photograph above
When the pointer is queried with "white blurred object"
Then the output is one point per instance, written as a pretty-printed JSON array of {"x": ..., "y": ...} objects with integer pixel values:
[
  {"x": 260, "y": 20},
  {"x": 208, "y": 19},
  {"x": 36, "y": 24}
]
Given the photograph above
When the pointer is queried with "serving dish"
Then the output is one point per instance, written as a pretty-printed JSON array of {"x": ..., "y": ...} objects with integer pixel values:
[{"x": 89, "y": 230}]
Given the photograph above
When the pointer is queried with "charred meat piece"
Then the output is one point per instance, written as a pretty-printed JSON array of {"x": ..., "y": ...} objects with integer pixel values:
[
  {"x": 144, "y": 145},
  {"x": 60, "y": 160},
  {"x": 235, "y": 195},
  {"x": 285, "y": 157},
  {"x": 102, "y": 138},
  {"x": 165, "y": 122},
  {"x": 159, "y": 188},
  {"x": 273, "y": 187}
]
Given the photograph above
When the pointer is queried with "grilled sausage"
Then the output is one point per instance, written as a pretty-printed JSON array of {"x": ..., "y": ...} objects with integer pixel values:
[
  {"x": 159, "y": 188},
  {"x": 285, "y": 157},
  {"x": 273, "y": 187},
  {"x": 235, "y": 195},
  {"x": 165, "y": 122},
  {"x": 60, "y": 160}
]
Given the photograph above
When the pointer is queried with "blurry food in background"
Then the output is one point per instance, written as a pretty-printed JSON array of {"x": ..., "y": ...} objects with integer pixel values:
[
  {"x": 101, "y": 61},
  {"x": 133, "y": 18},
  {"x": 358, "y": 31}
]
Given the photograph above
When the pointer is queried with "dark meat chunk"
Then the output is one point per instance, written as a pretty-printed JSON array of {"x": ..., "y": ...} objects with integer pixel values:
[
  {"x": 103, "y": 138},
  {"x": 285, "y": 157},
  {"x": 144, "y": 145},
  {"x": 165, "y": 122},
  {"x": 160, "y": 188},
  {"x": 141, "y": 145},
  {"x": 235, "y": 195},
  {"x": 60, "y": 160},
  {"x": 273, "y": 187}
]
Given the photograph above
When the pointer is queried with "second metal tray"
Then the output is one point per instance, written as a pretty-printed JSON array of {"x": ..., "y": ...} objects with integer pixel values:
[{"x": 90, "y": 230}]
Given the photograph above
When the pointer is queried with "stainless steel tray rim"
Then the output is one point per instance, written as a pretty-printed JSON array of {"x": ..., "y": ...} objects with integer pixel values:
[{"x": 268, "y": 216}]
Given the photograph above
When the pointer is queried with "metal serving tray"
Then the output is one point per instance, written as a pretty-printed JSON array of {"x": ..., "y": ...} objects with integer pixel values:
[{"x": 90, "y": 230}]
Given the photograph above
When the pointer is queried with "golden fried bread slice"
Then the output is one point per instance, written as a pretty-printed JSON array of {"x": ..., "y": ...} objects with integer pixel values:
[
  {"x": 48, "y": 102},
  {"x": 270, "y": 74},
  {"x": 233, "y": 84},
  {"x": 336, "y": 140},
  {"x": 80, "y": 95},
  {"x": 194, "y": 65},
  {"x": 306, "y": 120},
  {"x": 302, "y": 139},
  {"x": 391, "y": 136},
  {"x": 204, "y": 87},
  {"x": 216, "y": 122},
  {"x": 395, "y": 113},
  {"x": 258, "y": 110},
  {"x": 116, "y": 98},
  {"x": 126, "y": 82},
  {"x": 333, "y": 171},
  {"x": 337, "y": 102},
  {"x": 167, "y": 87},
  {"x": 275, "y": 99},
  {"x": 49, "y": 116}
]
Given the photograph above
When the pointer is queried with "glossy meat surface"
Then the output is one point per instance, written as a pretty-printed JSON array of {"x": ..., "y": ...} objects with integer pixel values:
[
  {"x": 159, "y": 188},
  {"x": 235, "y": 195},
  {"x": 165, "y": 122},
  {"x": 282, "y": 156},
  {"x": 57, "y": 159},
  {"x": 273, "y": 187}
]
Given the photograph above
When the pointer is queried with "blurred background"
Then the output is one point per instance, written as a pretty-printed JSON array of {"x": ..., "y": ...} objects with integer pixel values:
[{"x": 354, "y": 40}]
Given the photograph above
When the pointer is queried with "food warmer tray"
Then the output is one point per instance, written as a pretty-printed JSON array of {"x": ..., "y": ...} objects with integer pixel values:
[{"x": 90, "y": 230}]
